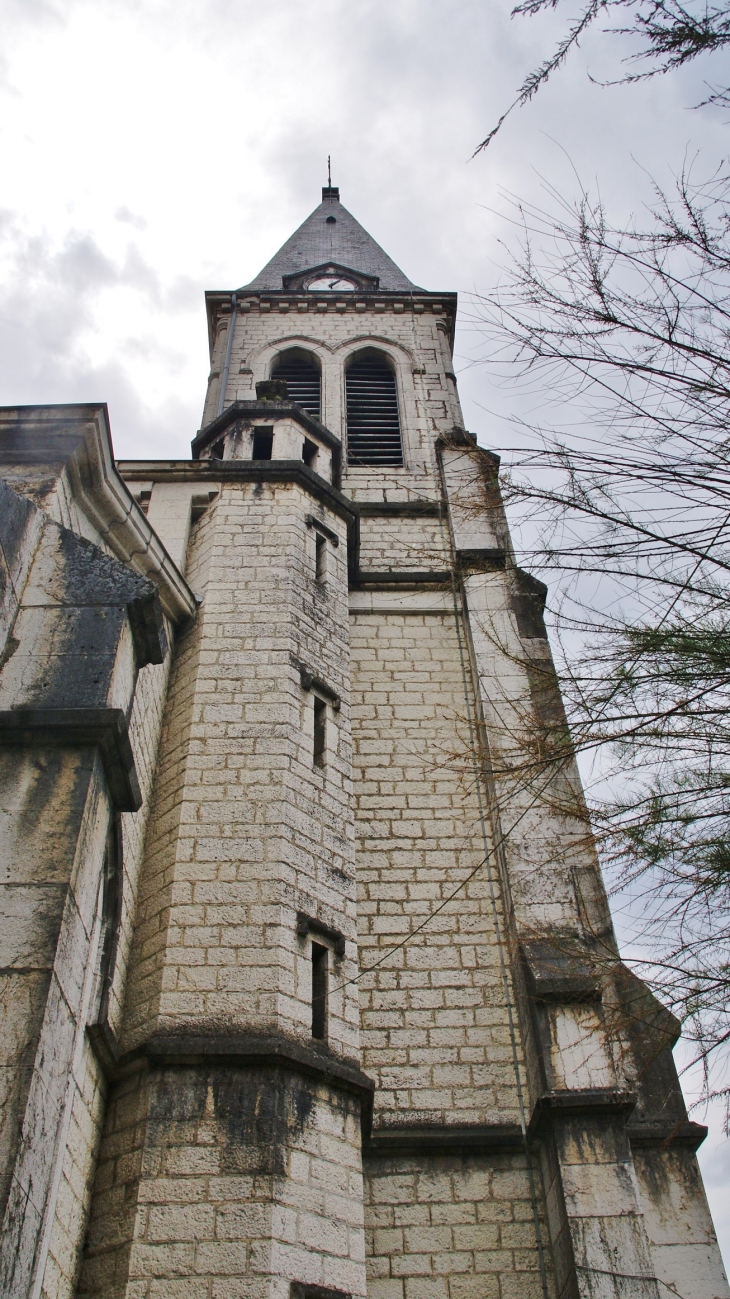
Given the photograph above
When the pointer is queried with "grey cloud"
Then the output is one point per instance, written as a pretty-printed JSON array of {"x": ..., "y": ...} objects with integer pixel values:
[
  {"x": 124, "y": 215},
  {"x": 48, "y": 304},
  {"x": 80, "y": 265}
]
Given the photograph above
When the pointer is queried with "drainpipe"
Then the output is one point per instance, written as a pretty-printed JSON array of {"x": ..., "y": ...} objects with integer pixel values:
[{"x": 229, "y": 349}]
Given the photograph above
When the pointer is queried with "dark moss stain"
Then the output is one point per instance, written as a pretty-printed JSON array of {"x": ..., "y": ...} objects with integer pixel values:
[
  {"x": 527, "y": 601},
  {"x": 15, "y": 512},
  {"x": 89, "y": 576},
  {"x": 259, "y": 1114},
  {"x": 33, "y": 482},
  {"x": 78, "y": 669},
  {"x": 177, "y": 1096}
]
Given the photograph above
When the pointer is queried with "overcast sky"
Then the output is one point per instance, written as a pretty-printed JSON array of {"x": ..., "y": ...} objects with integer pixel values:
[{"x": 155, "y": 148}]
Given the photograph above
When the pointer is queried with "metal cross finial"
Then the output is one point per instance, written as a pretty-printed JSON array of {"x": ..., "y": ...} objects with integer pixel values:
[{"x": 329, "y": 172}]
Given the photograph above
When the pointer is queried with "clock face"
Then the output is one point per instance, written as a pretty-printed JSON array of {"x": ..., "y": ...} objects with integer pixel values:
[{"x": 331, "y": 284}]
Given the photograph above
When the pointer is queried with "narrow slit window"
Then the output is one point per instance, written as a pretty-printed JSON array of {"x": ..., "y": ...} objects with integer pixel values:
[
  {"x": 320, "y": 731},
  {"x": 218, "y": 449},
  {"x": 373, "y": 423},
  {"x": 320, "y": 957},
  {"x": 309, "y": 453},
  {"x": 302, "y": 379},
  {"x": 320, "y": 557},
  {"x": 263, "y": 443}
]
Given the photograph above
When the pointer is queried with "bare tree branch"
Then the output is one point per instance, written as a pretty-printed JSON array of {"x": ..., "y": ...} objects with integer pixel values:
[
  {"x": 621, "y": 497},
  {"x": 671, "y": 35}
]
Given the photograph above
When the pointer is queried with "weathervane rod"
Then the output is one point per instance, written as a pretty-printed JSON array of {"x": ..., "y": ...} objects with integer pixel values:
[{"x": 329, "y": 172}]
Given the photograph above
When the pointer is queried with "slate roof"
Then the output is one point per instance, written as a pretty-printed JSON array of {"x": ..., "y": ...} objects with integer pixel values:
[{"x": 343, "y": 242}]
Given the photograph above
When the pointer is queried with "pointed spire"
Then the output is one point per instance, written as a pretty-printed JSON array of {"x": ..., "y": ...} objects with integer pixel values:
[{"x": 331, "y": 236}]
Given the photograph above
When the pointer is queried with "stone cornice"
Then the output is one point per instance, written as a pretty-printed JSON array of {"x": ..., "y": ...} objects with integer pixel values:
[
  {"x": 582, "y": 1103},
  {"x": 442, "y": 305},
  {"x": 648, "y": 1134},
  {"x": 255, "y": 471},
  {"x": 421, "y": 1139},
  {"x": 78, "y": 438},
  {"x": 236, "y": 1051}
]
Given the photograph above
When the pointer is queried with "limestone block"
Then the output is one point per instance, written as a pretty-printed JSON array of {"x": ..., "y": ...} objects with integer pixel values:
[
  {"x": 475, "y": 510},
  {"x": 678, "y": 1223},
  {"x": 581, "y": 1054},
  {"x": 169, "y": 513}
]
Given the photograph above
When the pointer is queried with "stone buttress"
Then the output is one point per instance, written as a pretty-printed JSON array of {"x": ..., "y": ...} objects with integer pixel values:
[{"x": 312, "y": 988}]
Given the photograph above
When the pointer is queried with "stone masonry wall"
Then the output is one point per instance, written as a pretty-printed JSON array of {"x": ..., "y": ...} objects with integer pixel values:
[
  {"x": 435, "y": 1032},
  {"x": 435, "y": 1027},
  {"x": 242, "y": 1181},
  {"x": 244, "y": 791},
  {"x": 246, "y": 831},
  {"x": 405, "y": 544},
  {"x": 451, "y": 1228}
]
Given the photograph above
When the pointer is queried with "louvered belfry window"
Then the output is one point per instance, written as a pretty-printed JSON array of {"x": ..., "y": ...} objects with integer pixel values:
[
  {"x": 373, "y": 426},
  {"x": 302, "y": 379}
]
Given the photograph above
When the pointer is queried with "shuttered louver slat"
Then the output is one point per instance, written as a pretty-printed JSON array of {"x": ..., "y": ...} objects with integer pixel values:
[
  {"x": 373, "y": 425},
  {"x": 302, "y": 380}
]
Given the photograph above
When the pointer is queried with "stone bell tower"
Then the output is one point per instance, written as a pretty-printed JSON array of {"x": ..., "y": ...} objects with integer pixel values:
[{"x": 328, "y": 1004}]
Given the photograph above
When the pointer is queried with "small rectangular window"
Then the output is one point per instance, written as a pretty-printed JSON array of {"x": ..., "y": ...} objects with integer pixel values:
[
  {"x": 320, "y": 731},
  {"x": 263, "y": 442},
  {"x": 309, "y": 453},
  {"x": 319, "y": 990},
  {"x": 320, "y": 557}
]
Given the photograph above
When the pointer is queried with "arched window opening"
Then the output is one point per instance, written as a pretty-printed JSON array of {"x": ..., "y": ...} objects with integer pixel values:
[
  {"x": 302, "y": 379},
  {"x": 373, "y": 425}
]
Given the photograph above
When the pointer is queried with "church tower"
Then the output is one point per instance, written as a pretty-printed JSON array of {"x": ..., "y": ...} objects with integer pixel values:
[{"x": 311, "y": 987}]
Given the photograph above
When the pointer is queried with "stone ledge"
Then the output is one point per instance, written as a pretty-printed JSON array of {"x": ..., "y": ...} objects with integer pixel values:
[
  {"x": 310, "y": 681},
  {"x": 644, "y": 1135},
  {"x": 301, "y": 1290},
  {"x": 318, "y": 526},
  {"x": 257, "y": 471},
  {"x": 482, "y": 1138},
  {"x": 399, "y": 509},
  {"x": 309, "y": 924},
  {"x": 584, "y": 1103},
  {"x": 426, "y": 577},
  {"x": 559, "y": 974},
  {"x": 489, "y": 558}
]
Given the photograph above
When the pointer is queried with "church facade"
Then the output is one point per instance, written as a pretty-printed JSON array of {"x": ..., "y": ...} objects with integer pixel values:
[{"x": 309, "y": 983}]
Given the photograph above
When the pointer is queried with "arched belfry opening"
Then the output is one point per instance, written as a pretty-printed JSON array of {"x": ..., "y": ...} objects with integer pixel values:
[
  {"x": 303, "y": 378},
  {"x": 373, "y": 421}
]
